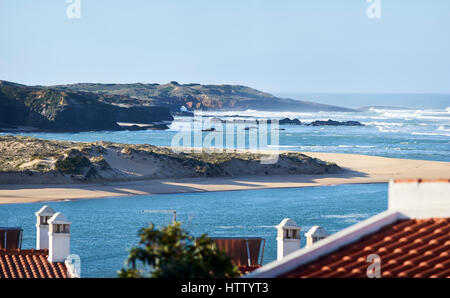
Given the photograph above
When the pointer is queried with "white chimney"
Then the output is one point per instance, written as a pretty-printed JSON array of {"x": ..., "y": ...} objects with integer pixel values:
[
  {"x": 43, "y": 216},
  {"x": 59, "y": 238},
  {"x": 288, "y": 238},
  {"x": 315, "y": 234}
]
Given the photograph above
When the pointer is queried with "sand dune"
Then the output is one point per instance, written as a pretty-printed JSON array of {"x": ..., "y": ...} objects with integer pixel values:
[{"x": 360, "y": 169}]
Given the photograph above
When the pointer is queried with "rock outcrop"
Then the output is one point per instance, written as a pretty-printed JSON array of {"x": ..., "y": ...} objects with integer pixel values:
[
  {"x": 143, "y": 114},
  {"x": 200, "y": 97},
  {"x": 330, "y": 122},
  {"x": 57, "y": 110},
  {"x": 290, "y": 121}
]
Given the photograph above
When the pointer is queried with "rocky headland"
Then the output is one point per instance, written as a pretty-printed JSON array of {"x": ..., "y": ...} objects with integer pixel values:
[{"x": 24, "y": 108}]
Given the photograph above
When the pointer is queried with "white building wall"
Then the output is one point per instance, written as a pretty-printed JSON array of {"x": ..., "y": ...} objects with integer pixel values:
[
  {"x": 59, "y": 247},
  {"x": 286, "y": 246},
  {"x": 42, "y": 241}
]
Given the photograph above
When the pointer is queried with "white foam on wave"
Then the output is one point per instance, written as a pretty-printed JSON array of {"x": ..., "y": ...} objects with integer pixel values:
[
  {"x": 408, "y": 115},
  {"x": 258, "y": 114},
  {"x": 375, "y": 123},
  {"x": 355, "y": 146},
  {"x": 443, "y": 128},
  {"x": 430, "y": 134},
  {"x": 386, "y": 129},
  {"x": 352, "y": 215},
  {"x": 384, "y": 120}
]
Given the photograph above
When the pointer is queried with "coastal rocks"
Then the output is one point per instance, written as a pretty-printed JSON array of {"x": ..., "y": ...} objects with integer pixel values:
[
  {"x": 52, "y": 109},
  {"x": 330, "y": 122},
  {"x": 290, "y": 122},
  {"x": 202, "y": 97},
  {"x": 156, "y": 126},
  {"x": 287, "y": 121},
  {"x": 83, "y": 117},
  {"x": 159, "y": 126},
  {"x": 183, "y": 113},
  {"x": 209, "y": 129}
]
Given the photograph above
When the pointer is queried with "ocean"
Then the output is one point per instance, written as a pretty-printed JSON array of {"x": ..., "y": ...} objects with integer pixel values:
[
  {"x": 103, "y": 229},
  {"x": 413, "y": 134}
]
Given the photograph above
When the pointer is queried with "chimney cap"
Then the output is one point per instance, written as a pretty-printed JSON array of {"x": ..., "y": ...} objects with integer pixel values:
[
  {"x": 288, "y": 224},
  {"x": 58, "y": 218},
  {"x": 316, "y": 231},
  {"x": 45, "y": 211}
]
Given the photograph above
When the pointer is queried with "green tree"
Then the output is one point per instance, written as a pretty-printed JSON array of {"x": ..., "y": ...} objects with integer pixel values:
[{"x": 171, "y": 252}]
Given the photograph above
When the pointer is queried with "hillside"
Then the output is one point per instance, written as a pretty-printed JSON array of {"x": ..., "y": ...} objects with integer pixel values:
[
  {"x": 89, "y": 106},
  {"x": 36, "y": 161},
  {"x": 198, "y": 97},
  {"x": 48, "y": 108}
]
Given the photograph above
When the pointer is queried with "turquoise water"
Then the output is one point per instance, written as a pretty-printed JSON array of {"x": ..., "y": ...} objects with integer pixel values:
[
  {"x": 412, "y": 134},
  {"x": 103, "y": 229}
]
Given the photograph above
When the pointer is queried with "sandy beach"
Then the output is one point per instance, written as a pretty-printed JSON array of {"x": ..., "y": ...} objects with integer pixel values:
[{"x": 360, "y": 169}]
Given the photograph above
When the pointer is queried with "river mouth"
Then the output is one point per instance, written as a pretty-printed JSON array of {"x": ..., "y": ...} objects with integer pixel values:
[
  {"x": 405, "y": 133},
  {"x": 103, "y": 229}
]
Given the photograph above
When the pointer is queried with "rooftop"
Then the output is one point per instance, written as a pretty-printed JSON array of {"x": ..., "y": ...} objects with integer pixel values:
[
  {"x": 411, "y": 239},
  {"x": 58, "y": 218},
  {"x": 407, "y": 248},
  {"x": 17, "y": 263},
  {"x": 46, "y": 211}
]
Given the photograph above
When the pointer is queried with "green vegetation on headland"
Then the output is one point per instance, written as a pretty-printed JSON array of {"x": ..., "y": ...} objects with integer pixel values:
[
  {"x": 88, "y": 106},
  {"x": 43, "y": 108},
  {"x": 199, "y": 97},
  {"x": 65, "y": 162}
]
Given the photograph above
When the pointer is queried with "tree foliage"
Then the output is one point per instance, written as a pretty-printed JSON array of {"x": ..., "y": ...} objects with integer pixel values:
[{"x": 171, "y": 252}]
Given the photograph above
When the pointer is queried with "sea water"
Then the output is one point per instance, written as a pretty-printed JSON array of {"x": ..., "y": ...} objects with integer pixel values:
[
  {"x": 103, "y": 229},
  {"x": 412, "y": 134}
]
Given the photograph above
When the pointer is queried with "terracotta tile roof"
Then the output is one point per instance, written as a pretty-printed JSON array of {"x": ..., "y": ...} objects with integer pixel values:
[
  {"x": 29, "y": 264},
  {"x": 408, "y": 248},
  {"x": 242, "y": 250}
]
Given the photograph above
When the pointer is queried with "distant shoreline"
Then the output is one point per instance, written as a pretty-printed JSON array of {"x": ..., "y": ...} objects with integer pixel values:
[{"x": 359, "y": 169}]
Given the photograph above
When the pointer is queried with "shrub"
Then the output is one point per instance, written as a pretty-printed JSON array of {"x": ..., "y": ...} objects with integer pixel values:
[
  {"x": 172, "y": 253},
  {"x": 72, "y": 164}
]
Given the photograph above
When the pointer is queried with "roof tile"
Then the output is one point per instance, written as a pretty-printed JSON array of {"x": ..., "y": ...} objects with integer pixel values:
[
  {"x": 32, "y": 263},
  {"x": 407, "y": 248}
]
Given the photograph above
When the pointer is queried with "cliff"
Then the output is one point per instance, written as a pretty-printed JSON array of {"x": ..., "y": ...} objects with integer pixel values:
[
  {"x": 198, "y": 97},
  {"x": 53, "y": 109}
]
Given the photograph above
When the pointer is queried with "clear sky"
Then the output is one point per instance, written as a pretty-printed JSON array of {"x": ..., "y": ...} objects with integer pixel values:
[{"x": 275, "y": 46}]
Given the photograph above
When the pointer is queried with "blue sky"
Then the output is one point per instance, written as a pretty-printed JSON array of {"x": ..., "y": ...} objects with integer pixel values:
[{"x": 276, "y": 46}]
